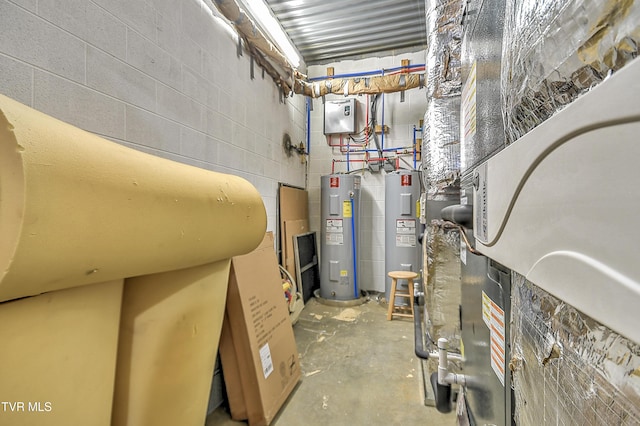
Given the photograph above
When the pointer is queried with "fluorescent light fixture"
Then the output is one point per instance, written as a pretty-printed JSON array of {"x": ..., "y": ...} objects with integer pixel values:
[{"x": 262, "y": 13}]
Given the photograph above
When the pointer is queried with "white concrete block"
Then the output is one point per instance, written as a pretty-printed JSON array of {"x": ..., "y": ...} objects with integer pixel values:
[
  {"x": 240, "y": 137},
  {"x": 219, "y": 126},
  {"x": 168, "y": 9},
  {"x": 149, "y": 58},
  {"x": 238, "y": 111},
  {"x": 78, "y": 105},
  {"x": 261, "y": 146},
  {"x": 113, "y": 77},
  {"x": 211, "y": 67},
  {"x": 88, "y": 22},
  {"x": 196, "y": 23},
  {"x": 176, "y": 43},
  {"x": 225, "y": 100},
  {"x": 231, "y": 156},
  {"x": 139, "y": 15},
  {"x": 31, "y": 39},
  {"x": 199, "y": 89},
  {"x": 211, "y": 152},
  {"x": 152, "y": 130},
  {"x": 16, "y": 80},
  {"x": 193, "y": 144},
  {"x": 176, "y": 106},
  {"x": 272, "y": 169},
  {"x": 254, "y": 163},
  {"x": 31, "y": 5}
]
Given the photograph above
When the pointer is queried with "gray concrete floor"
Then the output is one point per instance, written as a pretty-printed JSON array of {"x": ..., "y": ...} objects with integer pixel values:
[{"x": 357, "y": 369}]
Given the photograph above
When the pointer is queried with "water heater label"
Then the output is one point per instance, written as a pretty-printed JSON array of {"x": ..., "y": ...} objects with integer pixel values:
[
  {"x": 346, "y": 208},
  {"x": 334, "y": 182},
  {"x": 405, "y": 180},
  {"x": 405, "y": 240},
  {"x": 405, "y": 226},
  {"x": 334, "y": 232},
  {"x": 406, "y": 233}
]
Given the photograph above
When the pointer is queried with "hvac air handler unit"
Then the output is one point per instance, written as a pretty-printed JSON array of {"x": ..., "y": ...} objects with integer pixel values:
[{"x": 340, "y": 236}]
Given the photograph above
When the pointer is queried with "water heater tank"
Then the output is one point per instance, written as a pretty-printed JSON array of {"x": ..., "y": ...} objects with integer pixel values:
[
  {"x": 340, "y": 237},
  {"x": 403, "y": 252}
]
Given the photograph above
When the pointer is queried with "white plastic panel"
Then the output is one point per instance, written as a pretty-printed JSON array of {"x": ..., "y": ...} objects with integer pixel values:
[
  {"x": 340, "y": 116},
  {"x": 562, "y": 204}
]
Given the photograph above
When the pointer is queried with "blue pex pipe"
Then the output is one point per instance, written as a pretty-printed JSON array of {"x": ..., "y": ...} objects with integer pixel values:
[{"x": 353, "y": 244}]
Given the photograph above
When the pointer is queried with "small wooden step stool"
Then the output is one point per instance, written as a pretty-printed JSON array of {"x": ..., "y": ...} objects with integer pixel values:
[{"x": 395, "y": 276}]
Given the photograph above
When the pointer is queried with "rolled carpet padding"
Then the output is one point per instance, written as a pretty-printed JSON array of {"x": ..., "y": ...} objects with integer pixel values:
[{"x": 77, "y": 209}]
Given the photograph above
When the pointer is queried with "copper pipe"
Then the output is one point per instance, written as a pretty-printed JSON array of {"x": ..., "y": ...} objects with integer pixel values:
[{"x": 464, "y": 237}]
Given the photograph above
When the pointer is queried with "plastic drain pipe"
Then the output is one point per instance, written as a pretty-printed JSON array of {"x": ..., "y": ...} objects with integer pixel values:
[{"x": 442, "y": 380}]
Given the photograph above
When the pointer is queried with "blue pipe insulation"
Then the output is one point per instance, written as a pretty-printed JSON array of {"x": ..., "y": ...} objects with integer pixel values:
[
  {"x": 348, "y": 75},
  {"x": 354, "y": 252},
  {"x": 415, "y": 148},
  {"x": 366, "y": 73}
]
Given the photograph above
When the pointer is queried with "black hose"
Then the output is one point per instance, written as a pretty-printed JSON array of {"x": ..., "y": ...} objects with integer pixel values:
[
  {"x": 458, "y": 214},
  {"x": 417, "y": 333}
]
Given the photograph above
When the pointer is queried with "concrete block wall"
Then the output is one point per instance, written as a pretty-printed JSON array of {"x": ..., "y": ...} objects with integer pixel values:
[
  {"x": 401, "y": 117},
  {"x": 159, "y": 76}
]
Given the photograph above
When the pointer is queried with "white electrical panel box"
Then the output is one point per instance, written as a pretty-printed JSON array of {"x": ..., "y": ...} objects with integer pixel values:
[{"x": 340, "y": 116}]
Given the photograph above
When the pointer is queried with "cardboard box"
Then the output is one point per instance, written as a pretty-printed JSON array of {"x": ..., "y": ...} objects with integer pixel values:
[
  {"x": 262, "y": 341},
  {"x": 58, "y": 356}
]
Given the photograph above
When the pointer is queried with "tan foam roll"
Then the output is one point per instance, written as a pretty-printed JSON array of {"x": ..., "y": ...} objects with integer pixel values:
[{"x": 77, "y": 209}]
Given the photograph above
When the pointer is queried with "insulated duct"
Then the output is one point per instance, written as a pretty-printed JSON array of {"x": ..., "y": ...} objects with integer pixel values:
[
  {"x": 441, "y": 167},
  {"x": 441, "y": 133},
  {"x": 568, "y": 368},
  {"x": 256, "y": 40},
  {"x": 557, "y": 50},
  {"x": 360, "y": 85},
  {"x": 290, "y": 80}
]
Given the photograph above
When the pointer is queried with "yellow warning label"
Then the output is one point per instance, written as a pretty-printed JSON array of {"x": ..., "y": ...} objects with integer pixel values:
[
  {"x": 346, "y": 208},
  {"x": 486, "y": 309},
  {"x": 344, "y": 273},
  {"x": 418, "y": 208}
]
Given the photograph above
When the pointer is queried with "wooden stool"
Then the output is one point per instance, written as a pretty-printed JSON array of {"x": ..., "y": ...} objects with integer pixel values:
[{"x": 395, "y": 276}]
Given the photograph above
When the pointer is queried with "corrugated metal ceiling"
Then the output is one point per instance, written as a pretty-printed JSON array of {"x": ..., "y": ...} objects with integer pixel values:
[{"x": 327, "y": 30}]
